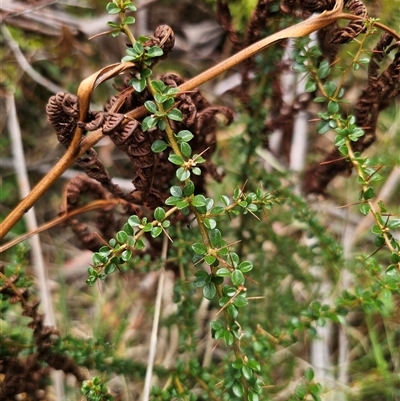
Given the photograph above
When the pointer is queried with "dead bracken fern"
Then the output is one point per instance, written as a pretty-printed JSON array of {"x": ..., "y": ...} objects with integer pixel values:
[{"x": 27, "y": 375}]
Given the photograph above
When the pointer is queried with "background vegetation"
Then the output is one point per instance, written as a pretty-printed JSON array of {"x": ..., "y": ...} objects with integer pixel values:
[{"x": 281, "y": 279}]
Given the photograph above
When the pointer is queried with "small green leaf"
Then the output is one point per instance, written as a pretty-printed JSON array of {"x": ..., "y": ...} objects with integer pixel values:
[
  {"x": 126, "y": 255},
  {"x": 140, "y": 244},
  {"x": 156, "y": 231},
  {"x": 202, "y": 278},
  {"x": 376, "y": 230},
  {"x": 237, "y": 278},
  {"x": 161, "y": 125},
  {"x": 247, "y": 372},
  {"x": 330, "y": 88},
  {"x": 151, "y": 106},
  {"x": 98, "y": 258},
  {"x": 209, "y": 259},
  {"x": 228, "y": 337},
  {"x": 138, "y": 84},
  {"x": 159, "y": 214},
  {"x": 323, "y": 127},
  {"x": 245, "y": 266},
  {"x": 169, "y": 103},
  {"x": 309, "y": 374},
  {"x": 176, "y": 191},
  {"x": 131, "y": 7},
  {"x": 219, "y": 334},
  {"x": 110, "y": 268},
  {"x": 232, "y": 311},
  {"x": 320, "y": 99},
  {"x": 379, "y": 241},
  {"x": 159, "y": 98},
  {"x": 114, "y": 25},
  {"x": 216, "y": 238},
  {"x": 395, "y": 257},
  {"x": 182, "y": 174},
  {"x": 199, "y": 248},
  {"x": 184, "y": 136},
  {"x": 240, "y": 301},
  {"x": 254, "y": 365},
  {"x": 333, "y": 107},
  {"x": 137, "y": 48},
  {"x": 149, "y": 122},
  {"x": 368, "y": 193},
  {"x": 185, "y": 149},
  {"x": 175, "y": 115},
  {"x": 392, "y": 270},
  {"x": 199, "y": 200},
  {"x": 105, "y": 251},
  {"x": 225, "y": 200},
  {"x": 129, "y": 20},
  {"x": 310, "y": 86},
  {"x": 189, "y": 188},
  {"x": 238, "y": 388},
  {"x": 145, "y": 73},
  {"x": 154, "y": 51},
  {"x": 223, "y": 272},
  {"x": 112, "y": 8},
  {"x": 158, "y": 85},
  {"x": 253, "y": 396},
  {"x": 216, "y": 325},
  {"x": 210, "y": 223},
  {"x": 196, "y": 171},
  {"x": 173, "y": 200},
  {"x": 218, "y": 210},
  {"x": 237, "y": 363},
  {"x": 364, "y": 209},
  {"x": 158, "y": 145},
  {"x": 121, "y": 237},
  {"x": 128, "y": 229},
  {"x": 175, "y": 159},
  {"x": 394, "y": 224},
  {"x": 323, "y": 70},
  {"x": 209, "y": 291},
  {"x": 148, "y": 227},
  {"x": 181, "y": 205}
]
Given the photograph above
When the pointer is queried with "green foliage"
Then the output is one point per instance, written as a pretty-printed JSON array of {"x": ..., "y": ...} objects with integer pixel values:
[
  {"x": 96, "y": 390},
  {"x": 232, "y": 254}
]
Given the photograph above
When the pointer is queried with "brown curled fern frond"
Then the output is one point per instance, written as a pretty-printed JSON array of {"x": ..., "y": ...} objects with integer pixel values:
[
  {"x": 381, "y": 89},
  {"x": 354, "y": 28},
  {"x": 258, "y": 21},
  {"x": 164, "y": 37},
  {"x": 104, "y": 220},
  {"x": 224, "y": 18},
  {"x": 317, "y": 5},
  {"x": 329, "y": 50},
  {"x": 378, "y": 54},
  {"x": 26, "y": 375},
  {"x": 295, "y": 7},
  {"x": 62, "y": 113}
]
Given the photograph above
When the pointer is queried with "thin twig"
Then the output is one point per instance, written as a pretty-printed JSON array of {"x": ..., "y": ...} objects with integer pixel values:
[{"x": 154, "y": 330}]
